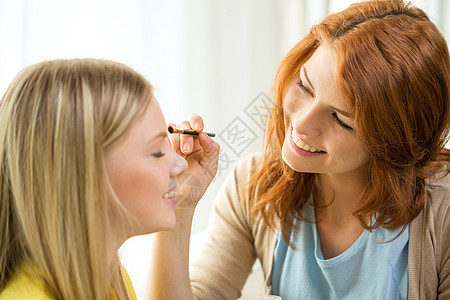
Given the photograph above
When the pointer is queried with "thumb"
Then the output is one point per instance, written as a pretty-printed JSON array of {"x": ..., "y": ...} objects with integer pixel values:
[{"x": 211, "y": 151}]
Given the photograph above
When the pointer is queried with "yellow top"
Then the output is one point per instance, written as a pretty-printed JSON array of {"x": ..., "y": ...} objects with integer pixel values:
[{"x": 22, "y": 285}]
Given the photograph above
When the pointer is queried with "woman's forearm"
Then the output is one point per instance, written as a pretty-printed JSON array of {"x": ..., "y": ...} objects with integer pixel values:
[{"x": 169, "y": 269}]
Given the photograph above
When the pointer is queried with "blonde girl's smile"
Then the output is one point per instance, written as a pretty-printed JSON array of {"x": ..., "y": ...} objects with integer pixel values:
[{"x": 169, "y": 196}]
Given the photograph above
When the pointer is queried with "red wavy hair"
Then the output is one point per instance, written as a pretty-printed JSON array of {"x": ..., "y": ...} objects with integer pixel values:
[{"x": 393, "y": 69}]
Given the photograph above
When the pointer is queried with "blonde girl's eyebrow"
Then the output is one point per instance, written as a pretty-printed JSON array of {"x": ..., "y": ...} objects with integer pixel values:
[{"x": 159, "y": 136}]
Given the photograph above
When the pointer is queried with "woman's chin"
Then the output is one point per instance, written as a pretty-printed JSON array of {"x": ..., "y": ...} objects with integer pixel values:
[{"x": 289, "y": 157}]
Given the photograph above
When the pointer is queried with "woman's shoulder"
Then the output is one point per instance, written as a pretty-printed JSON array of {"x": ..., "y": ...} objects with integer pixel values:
[
  {"x": 434, "y": 220},
  {"x": 24, "y": 285},
  {"x": 438, "y": 193},
  {"x": 247, "y": 164},
  {"x": 128, "y": 283},
  {"x": 237, "y": 179},
  {"x": 430, "y": 241}
]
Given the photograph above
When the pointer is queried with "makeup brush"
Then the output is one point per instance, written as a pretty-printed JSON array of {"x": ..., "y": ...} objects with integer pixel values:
[{"x": 187, "y": 131}]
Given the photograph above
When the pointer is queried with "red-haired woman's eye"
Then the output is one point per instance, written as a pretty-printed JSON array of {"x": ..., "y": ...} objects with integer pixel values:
[
  {"x": 340, "y": 123},
  {"x": 304, "y": 88}
]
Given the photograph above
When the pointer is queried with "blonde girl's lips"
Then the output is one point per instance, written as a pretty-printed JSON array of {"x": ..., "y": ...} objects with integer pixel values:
[
  {"x": 170, "y": 198},
  {"x": 168, "y": 195},
  {"x": 172, "y": 201}
]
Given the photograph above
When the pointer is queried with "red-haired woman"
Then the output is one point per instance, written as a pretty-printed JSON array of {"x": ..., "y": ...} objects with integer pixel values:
[{"x": 350, "y": 199}]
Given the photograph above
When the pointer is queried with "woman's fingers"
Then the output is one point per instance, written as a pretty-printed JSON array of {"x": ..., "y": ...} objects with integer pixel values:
[
  {"x": 186, "y": 141},
  {"x": 175, "y": 141},
  {"x": 203, "y": 163},
  {"x": 185, "y": 144},
  {"x": 211, "y": 153},
  {"x": 201, "y": 153},
  {"x": 196, "y": 122}
]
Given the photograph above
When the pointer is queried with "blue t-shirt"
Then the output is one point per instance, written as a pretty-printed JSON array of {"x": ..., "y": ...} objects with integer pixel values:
[{"x": 369, "y": 269}]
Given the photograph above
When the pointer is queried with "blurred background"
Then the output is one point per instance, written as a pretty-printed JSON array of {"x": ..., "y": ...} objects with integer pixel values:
[{"x": 215, "y": 58}]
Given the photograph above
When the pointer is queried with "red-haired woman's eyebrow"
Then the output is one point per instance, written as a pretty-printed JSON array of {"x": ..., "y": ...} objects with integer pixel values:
[
  {"x": 344, "y": 113},
  {"x": 307, "y": 78}
]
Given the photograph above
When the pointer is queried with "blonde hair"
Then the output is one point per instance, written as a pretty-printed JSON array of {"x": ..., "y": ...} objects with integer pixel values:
[{"x": 57, "y": 119}]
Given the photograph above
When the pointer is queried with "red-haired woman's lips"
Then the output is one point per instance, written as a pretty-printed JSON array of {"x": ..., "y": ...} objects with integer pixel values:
[{"x": 302, "y": 147}]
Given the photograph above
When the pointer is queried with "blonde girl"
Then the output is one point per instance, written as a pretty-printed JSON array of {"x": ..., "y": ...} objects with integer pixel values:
[{"x": 85, "y": 163}]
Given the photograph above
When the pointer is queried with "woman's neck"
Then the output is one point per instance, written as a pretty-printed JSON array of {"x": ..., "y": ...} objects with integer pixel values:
[
  {"x": 336, "y": 198},
  {"x": 337, "y": 195},
  {"x": 116, "y": 238}
]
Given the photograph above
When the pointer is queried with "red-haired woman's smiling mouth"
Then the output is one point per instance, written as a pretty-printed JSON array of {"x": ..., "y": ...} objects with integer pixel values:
[{"x": 302, "y": 145}]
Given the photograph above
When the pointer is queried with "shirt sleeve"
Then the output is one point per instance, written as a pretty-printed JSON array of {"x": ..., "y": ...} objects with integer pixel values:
[
  {"x": 226, "y": 259},
  {"x": 128, "y": 284}
]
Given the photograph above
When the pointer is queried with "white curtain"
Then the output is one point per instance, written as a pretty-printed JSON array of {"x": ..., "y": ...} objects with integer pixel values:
[{"x": 216, "y": 58}]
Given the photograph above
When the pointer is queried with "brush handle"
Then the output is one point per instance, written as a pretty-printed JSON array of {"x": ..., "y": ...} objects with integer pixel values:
[{"x": 188, "y": 131}]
